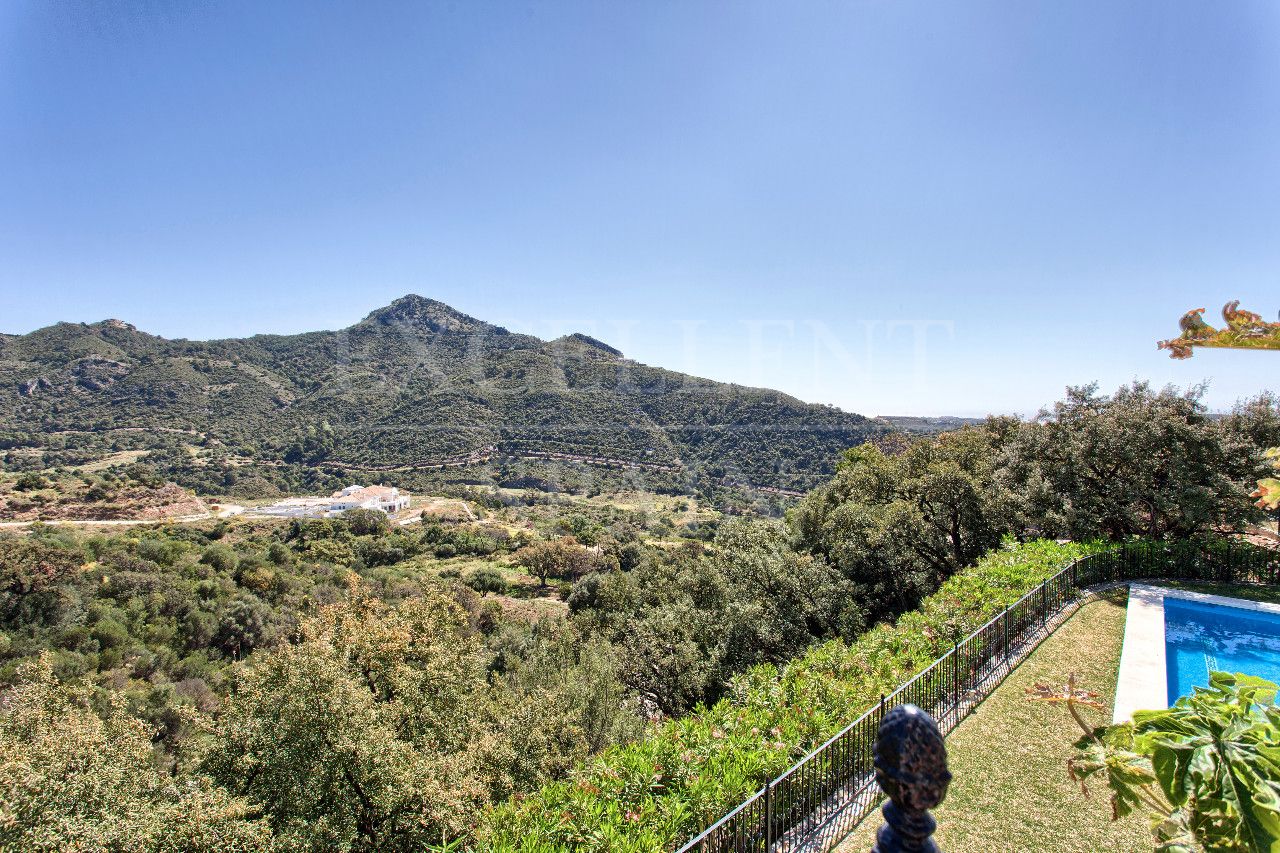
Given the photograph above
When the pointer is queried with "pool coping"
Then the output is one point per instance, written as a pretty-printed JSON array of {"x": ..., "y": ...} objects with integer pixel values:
[{"x": 1142, "y": 682}]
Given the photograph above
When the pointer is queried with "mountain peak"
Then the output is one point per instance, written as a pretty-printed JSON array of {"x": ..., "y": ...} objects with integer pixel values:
[
  {"x": 581, "y": 340},
  {"x": 414, "y": 310},
  {"x": 115, "y": 324},
  {"x": 421, "y": 388}
]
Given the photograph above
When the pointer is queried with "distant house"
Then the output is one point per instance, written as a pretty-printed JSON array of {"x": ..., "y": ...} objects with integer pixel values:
[{"x": 383, "y": 498}]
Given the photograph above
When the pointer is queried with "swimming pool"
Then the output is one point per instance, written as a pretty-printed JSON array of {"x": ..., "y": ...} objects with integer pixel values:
[
  {"x": 1174, "y": 637},
  {"x": 1201, "y": 637}
]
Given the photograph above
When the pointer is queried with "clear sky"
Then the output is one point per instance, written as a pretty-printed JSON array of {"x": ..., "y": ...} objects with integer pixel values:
[{"x": 895, "y": 207}]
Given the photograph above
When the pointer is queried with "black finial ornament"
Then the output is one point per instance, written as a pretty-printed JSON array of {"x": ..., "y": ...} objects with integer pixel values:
[{"x": 911, "y": 768}]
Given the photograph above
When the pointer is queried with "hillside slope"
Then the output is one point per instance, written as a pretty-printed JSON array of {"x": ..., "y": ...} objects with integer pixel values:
[{"x": 413, "y": 385}]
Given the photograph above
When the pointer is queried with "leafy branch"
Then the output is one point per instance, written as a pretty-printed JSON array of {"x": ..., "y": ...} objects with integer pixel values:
[
  {"x": 1128, "y": 774},
  {"x": 1268, "y": 491},
  {"x": 1243, "y": 330},
  {"x": 1207, "y": 769}
]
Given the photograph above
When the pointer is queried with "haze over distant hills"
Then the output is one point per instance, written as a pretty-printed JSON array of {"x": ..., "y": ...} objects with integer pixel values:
[
  {"x": 415, "y": 385},
  {"x": 920, "y": 425}
]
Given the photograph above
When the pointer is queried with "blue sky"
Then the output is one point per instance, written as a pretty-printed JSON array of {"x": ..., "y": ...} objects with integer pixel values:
[{"x": 895, "y": 207}]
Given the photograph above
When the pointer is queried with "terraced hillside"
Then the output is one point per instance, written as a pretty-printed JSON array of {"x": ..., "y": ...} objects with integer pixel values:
[{"x": 415, "y": 385}]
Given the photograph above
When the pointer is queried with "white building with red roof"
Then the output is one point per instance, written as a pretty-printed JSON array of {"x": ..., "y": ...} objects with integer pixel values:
[{"x": 384, "y": 498}]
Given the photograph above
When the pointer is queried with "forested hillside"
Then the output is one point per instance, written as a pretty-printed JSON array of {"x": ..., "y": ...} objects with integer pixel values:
[
  {"x": 559, "y": 673},
  {"x": 417, "y": 387}
]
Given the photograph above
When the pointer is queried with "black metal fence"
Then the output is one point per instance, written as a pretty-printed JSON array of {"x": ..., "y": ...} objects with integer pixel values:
[{"x": 832, "y": 788}]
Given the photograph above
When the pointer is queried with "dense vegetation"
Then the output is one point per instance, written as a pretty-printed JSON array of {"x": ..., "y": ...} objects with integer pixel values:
[
  {"x": 648, "y": 795},
  {"x": 423, "y": 701},
  {"x": 559, "y": 674},
  {"x": 412, "y": 385},
  {"x": 76, "y": 775}
]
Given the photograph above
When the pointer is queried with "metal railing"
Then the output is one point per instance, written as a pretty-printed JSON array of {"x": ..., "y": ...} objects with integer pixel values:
[{"x": 828, "y": 791}]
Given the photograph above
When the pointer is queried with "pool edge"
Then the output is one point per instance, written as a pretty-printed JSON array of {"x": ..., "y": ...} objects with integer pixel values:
[
  {"x": 1142, "y": 682},
  {"x": 1219, "y": 600}
]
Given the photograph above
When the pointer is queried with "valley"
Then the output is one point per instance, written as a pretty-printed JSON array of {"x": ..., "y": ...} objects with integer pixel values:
[
  {"x": 557, "y": 612},
  {"x": 577, "y": 427}
]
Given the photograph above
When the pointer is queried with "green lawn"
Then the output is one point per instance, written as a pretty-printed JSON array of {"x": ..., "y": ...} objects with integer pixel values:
[
  {"x": 1250, "y": 591},
  {"x": 1011, "y": 790}
]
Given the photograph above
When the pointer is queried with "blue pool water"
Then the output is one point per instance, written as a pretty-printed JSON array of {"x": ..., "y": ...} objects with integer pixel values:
[{"x": 1202, "y": 637}]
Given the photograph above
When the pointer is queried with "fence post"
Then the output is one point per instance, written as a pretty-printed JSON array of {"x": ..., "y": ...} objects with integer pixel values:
[
  {"x": 911, "y": 768},
  {"x": 1004, "y": 621},
  {"x": 955, "y": 677},
  {"x": 768, "y": 815}
]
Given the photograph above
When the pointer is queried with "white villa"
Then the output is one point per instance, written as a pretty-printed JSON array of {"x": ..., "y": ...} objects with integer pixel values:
[{"x": 384, "y": 498}]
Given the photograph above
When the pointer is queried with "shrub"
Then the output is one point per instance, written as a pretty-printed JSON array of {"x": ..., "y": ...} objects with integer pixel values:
[
  {"x": 280, "y": 554},
  {"x": 487, "y": 580},
  {"x": 110, "y": 634},
  {"x": 220, "y": 557},
  {"x": 330, "y": 551},
  {"x": 487, "y": 619},
  {"x": 76, "y": 779},
  {"x": 367, "y": 522},
  {"x": 254, "y": 488},
  {"x": 382, "y": 550},
  {"x": 362, "y": 736},
  {"x": 30, "y": 482},
  {"x": 256, "y": 576}
]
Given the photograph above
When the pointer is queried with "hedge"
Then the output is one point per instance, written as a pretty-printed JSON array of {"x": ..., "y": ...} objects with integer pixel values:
[{"x": 655, "y": 793}]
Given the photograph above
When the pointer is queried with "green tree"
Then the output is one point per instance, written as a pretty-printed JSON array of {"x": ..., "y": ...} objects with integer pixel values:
[
  {"x": 220, "y": 557},
  {"x": 367, "y": 522},
  {"x": 1139, "y": 462},
  {"x": 779, "y": 600},
  {"x": 672, "y": 639},
  {"x": 897, "y": 525},
  {"x": 31, "y": 570},
  {"x": 560, "y": 558},
  {"x": 559, "y": 701},
  {"x": 686, "y": 622},
  {"x": 74, "y": 779},
  {"x": 1256, "y": 420},
  {"x": 366, "y": 734},
  {"x": 582, "y": 529},
  {"x": 30, "y": 482},
  {"x": 313, "y": 446},
  {"x": 487, "y": 579}
]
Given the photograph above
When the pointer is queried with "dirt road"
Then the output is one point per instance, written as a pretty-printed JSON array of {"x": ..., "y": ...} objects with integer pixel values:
[{"x": 224, "y": 511}]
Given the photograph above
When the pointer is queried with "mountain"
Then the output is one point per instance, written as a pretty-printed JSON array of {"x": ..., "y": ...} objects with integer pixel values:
[
  {"x": 917, "y": 425},
  {"x": 416, "y": 386}
]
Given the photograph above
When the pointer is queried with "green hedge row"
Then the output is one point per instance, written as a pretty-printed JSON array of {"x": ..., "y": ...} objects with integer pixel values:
[{"x": 656, "y": 793}]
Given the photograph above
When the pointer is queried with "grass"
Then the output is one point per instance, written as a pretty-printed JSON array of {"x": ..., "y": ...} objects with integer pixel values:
[
  {"x": 1253, "y": 592},
  {"x": 1011, "y": 790}
]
